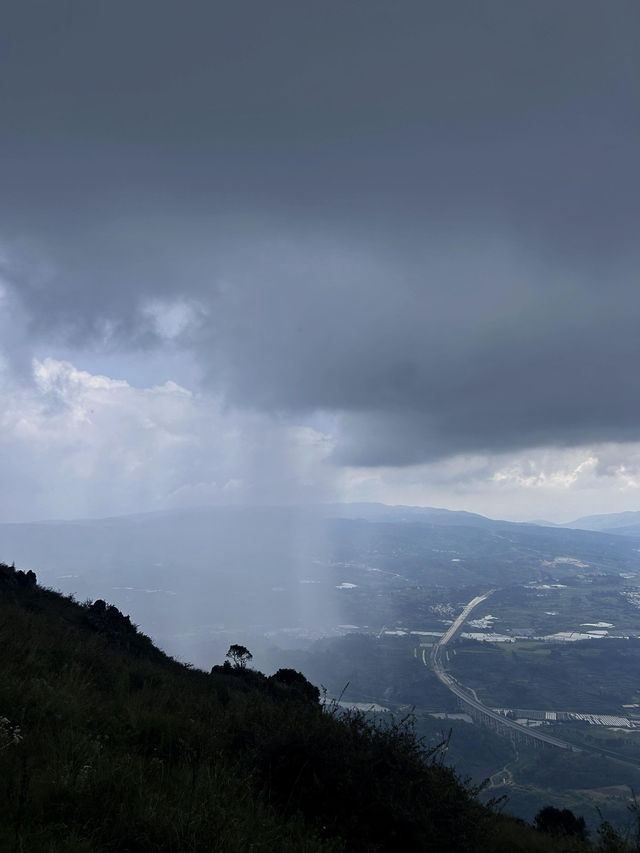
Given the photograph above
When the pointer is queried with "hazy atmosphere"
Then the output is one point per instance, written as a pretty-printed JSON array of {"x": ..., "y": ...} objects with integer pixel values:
[{"x": 289, "y": 253}]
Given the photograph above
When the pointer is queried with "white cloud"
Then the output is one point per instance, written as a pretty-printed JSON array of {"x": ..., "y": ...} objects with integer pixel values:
[
  {"x": 560, "y": 470},
  {"x": 75, "y": 443},
  {"x": 78, "y": 444},
  {"x": 557, "y": 484}
]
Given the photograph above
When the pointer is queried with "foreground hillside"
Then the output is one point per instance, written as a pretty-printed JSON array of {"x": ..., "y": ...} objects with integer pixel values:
[{"x": 106, "y": 744}]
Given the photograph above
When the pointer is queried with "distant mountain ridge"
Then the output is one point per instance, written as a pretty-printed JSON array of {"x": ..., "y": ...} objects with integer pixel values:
[
  {"x": 400, "y": 513},
  {"x": 616, "y": 523}
]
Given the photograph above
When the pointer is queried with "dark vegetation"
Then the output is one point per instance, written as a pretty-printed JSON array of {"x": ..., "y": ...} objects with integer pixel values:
[
  {"x": 386, "y": 671},
  {"x": 376, "y": 670},
  {"x": 107, "y": 744},
  {"x": 590, "y": 676},
  {"x": 561, "y": 822}
]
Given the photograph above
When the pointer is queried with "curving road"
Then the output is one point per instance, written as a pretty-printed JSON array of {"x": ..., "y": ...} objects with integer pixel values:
[{"x": 472, "y": 703}]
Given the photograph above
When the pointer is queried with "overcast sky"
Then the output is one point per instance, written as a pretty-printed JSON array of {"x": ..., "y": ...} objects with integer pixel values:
[{"x": 303, "y": 251}]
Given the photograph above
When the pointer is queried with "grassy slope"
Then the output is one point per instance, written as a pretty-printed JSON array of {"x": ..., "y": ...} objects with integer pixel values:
[{"x": 120, "y": 748}]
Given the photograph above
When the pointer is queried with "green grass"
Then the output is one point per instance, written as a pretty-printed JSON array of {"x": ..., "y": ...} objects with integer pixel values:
[{"x": 120, "y": 752}]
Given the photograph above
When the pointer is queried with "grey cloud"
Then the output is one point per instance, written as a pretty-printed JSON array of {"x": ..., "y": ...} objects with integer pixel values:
[
  {"x": 420, "y": 215},
  {"x": 524, "y": 113}
]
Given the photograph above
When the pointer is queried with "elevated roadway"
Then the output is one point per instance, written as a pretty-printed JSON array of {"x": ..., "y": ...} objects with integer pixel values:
[{"x": 474, "y": 707}]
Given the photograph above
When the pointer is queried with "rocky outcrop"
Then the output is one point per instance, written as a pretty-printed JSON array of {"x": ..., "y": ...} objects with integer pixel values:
[
  {"x": 12, "y": 578},
  {"x": 108, "y": 619}
]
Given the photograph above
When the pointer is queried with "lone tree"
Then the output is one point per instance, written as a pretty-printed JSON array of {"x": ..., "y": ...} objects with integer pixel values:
[{"x": 240, "y": 655}]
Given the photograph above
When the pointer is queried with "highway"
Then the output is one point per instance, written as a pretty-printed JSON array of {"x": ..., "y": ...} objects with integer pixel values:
[{"x": 472, "y": 703}]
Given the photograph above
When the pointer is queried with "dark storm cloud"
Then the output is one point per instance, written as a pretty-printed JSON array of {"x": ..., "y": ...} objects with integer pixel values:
[{"x": 421, "y": 215}]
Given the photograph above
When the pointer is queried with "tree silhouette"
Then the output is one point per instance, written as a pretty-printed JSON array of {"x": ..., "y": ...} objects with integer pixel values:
[
  {"x": 296, "y": 682},
  {"x": 560, "y": 822},
  {"x": 240, "y": 655}
]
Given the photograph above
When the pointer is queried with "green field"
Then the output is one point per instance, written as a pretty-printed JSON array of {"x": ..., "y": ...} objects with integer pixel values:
[{"x": 592, "y": 676}]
